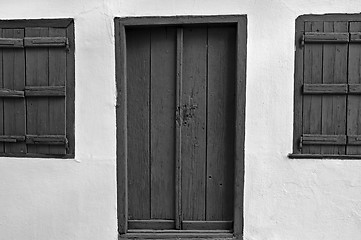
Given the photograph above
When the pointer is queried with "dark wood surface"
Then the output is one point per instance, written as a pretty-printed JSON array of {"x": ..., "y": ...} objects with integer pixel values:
[
  {"x": 121, "y": 127},
  {"x": 60, "y": 23},
  {"x": 312, "y": 104},
  {"x": 220, "y": 122},
  {"x": 330, "y": 73},
  {"x": 138, "y": 128},
  {"x": 354, "y": 101},
  {"x": 39, "y": 73},
  {"x": 14, "y": 78},
  {"x": 334, "y": 72},
  {"x": 193, "y": 138},
  {"x": 189, "y": 120},
  {"x": 162, "y": 122},
  {"x": 178, "y": 147}
]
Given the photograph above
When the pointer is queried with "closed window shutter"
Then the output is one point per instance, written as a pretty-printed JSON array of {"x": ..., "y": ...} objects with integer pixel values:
[
  {"x": 324, "y": 87},
  {"x": 331, "y": 88},
  {"x": 45, "y": 90}
]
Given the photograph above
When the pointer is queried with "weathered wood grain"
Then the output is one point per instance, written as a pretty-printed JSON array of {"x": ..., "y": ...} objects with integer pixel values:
[
  {"x": 70, "y": 90},
  {"x": 47, "y": 91},
  {"x": 207, "y": 225},
  {"x": 11, "y": 42},
  {"x": 151, "y": 224},
  {"x": 121, "y": 124},
  {"x": 162, "y": 122},
  {"x": 14, "y": 78},
  {"x": 178, "y": 123},
  {"x": 240, "y": 112},
  {"x": 312, "y": 73},
  {"x": 57, "y": 40},
  {"x": 354, "y": 101},
  {"x": 334, "y": 72},
  {"x": 2, "y": 146},
  {"x": 193, "y": 139},
  {"x": 37, "y": 74},
  {"x": 325, "y": 89},
  {"x": 220, "y": 122},
  {"x": 327, "y": 37},
  {"x": 138, "y": 128},
  {"x": 57, "y": 79}
]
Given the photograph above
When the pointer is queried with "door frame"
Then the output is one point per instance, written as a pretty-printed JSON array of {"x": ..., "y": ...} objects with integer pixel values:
[{"x": 240, "y": 21}]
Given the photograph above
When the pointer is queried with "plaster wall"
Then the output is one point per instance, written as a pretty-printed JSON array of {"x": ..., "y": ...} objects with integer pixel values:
[{"x": 49, "y": 199}]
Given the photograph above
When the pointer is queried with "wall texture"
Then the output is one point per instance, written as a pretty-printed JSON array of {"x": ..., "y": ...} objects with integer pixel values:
[{"x": 43, "y": 199}]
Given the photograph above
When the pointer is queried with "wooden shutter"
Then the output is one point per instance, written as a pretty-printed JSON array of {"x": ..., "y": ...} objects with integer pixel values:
[
  {"x": 328, "y": 81},
  {"x": 37, "y": 88}
]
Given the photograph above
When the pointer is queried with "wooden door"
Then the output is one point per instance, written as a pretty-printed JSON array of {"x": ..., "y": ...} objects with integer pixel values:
[{"x": 180, "y": 87}]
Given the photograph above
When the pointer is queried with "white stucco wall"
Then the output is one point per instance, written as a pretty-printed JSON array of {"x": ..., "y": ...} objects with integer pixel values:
[{"x": 49, "y": 199}]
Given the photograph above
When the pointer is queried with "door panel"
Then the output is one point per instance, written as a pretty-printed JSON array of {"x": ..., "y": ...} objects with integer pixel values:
[
  {"x": 162, "y": 122},
  {"x": 193, "y": 133},
  {"x": 206, "y": 117},
  {"x": 220, "y": 122},
  {"x": 138, "y": 83}
]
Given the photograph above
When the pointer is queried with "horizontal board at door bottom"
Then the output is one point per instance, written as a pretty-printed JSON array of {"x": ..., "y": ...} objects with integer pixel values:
[
  {"x": 173, "y": 234},
  {"x": 207, "y": 225},
  {"x": 157, "y": 224},
  {"x": 186, "y": 225}
]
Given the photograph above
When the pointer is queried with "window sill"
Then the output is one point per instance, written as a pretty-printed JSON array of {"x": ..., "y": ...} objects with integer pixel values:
[
  {"x": 176, "y": 234},
  {"x": 36, "y": 155},
  {"x": 323, "y": 156}
]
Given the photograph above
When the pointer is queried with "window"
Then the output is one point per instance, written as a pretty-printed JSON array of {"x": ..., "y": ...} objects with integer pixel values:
[
  {"x": 327, "y": 113},
  {"x": 37, "y": 88},
  {"x": 180, "y": 125}
]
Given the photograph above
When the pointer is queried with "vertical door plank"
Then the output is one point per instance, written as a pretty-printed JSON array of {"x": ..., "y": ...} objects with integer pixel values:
[
  {"x": 2, "y": 146},
  {"x": 138, "y": 113},
  {"x": 312, "y": 104},
  {"x": 334, "y": 71},
  {"x": 178, "y": 154},
  {"x": 37, "y": 74},
  {"x": 14, "y": 78},
  {"x": 354, "y": 101},
  {"x": 57, "y": 77},
  {"x": 193, "y": 139},
  {"x": 220, "y": 122},
  {"x": 163, "y": 90}
]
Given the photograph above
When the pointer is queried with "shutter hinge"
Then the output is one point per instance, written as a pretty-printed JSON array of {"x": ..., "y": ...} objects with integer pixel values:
[
  {"x": 300, "y": 143},
  {"x": 302, "y": 41}
]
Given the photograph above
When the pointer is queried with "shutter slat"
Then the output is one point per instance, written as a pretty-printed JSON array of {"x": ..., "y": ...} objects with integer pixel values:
[
  {"x": 8, "y": 93},
  {"x": 11, "y": 139},
  {"x": 45, "y": 42},
  {"x": 45, "y": 91},
  {"x": 325, "y": 89},
  {"x": 316, "y": 139},
  {"x": 325, "y": 37},
  {"x": 355, "y": 37},
  {"x": 46, "y": 139},
  {"x": 11, "y": 43}
]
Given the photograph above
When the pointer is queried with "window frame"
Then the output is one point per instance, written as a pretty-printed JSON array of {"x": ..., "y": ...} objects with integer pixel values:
[
  {"x": 68, "y": 24},
  {"x": 121, "y": 118},
  {"x": 298, "y": 81}
]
